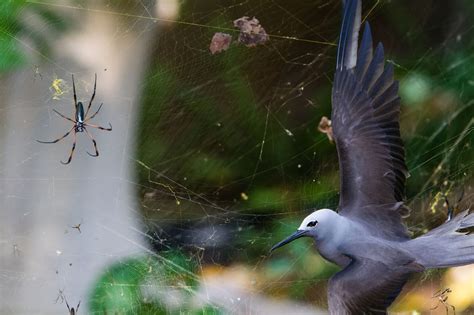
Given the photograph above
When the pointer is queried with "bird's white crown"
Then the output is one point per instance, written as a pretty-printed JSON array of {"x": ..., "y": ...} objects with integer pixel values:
[{"x": 317, "y": 217}]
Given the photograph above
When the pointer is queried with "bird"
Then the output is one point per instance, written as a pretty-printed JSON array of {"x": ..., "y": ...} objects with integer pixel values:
[{"x": 366, "y": 235}]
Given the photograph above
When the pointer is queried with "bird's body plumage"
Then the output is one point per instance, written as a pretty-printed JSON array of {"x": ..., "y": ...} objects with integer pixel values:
[{"x": 366, "y": 236}]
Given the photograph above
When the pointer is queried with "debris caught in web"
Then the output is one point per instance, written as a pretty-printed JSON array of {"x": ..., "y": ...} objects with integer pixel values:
[
  {"x": 325, "y": 127},
  {"x": 220, "y": 42},
  {"x": 251, "y": 32},
  {"x": 57, "y": 87},
  {"x": 37, "y": 72}
]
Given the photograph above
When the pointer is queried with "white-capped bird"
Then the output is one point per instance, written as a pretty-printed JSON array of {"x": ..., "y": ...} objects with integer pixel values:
[{"x": 366, "y": 236}]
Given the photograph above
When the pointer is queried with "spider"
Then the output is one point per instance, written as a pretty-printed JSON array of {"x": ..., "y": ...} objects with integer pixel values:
[
  {"x": 80, "y": 122},
  {"x": 451, "y": 208},
  {"x": 71, "y": 310},
  {"x": 442, "y": 296},
  {"x": 77, "y": 226},
  {"x": 60, "y": 296}
]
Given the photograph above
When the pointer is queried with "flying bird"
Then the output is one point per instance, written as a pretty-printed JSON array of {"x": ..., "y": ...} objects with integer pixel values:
[{"x": 366, "y": 236}]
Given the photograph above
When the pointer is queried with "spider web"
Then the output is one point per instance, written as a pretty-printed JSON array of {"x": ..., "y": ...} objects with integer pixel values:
[{"x": 213, "y": 158}]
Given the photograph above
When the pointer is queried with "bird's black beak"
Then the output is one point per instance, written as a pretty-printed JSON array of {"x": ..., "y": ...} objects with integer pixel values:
[{"x": 291, "y": 238}]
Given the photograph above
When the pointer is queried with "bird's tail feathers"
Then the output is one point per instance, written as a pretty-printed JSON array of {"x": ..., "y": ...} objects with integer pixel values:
[{"x": 450, "y": 244}]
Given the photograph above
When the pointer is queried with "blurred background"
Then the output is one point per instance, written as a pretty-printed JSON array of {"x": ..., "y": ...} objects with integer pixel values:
[{"x": 213, "y": 157}]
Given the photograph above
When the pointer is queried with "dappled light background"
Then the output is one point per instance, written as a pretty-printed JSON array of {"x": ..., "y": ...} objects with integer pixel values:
[{"x": 213, "y": 158}]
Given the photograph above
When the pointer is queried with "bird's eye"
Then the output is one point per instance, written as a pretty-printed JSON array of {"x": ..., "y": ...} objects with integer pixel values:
[{"x": 312, "y": 223}]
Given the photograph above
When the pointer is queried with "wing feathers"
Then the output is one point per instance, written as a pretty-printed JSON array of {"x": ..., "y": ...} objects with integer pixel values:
[
  {"x": 375, "y": 69},
  {"x": 347, "y": 52},
  {"x": 390, "y": 95},
  {"x": 365, "y": 121},
  {"x": 383, "y": 82},
  {"x": 365, "y": 53},
  {"x": 365, "y": 287}
]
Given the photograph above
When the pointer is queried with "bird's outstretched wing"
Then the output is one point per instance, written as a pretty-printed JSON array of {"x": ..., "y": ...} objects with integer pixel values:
[
  {"x": 365, "y": 287},
  {"x": 365, "y": 122}
]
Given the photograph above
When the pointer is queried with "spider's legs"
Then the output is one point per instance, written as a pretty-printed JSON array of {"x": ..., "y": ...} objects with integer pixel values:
[
  {"x": 450, "y": 209},
  {"x": 59, "y": 139},
  {"x": 72, "y": 150},
  {"x": 93, "y": 115},
  {"x": 68, "y": 308},
  {"x": 93, "y": 141},
  {"x": 71, "y": 120},
  {"x": 99, "y": 127},
  {"x": 74, "y": 90},
  {"x": 78, "y": 304},
  {"x": 92, "y": 98}
]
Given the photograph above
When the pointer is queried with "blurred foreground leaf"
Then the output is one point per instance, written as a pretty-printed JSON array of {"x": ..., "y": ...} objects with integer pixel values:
[{"x": 163, "y": 284}]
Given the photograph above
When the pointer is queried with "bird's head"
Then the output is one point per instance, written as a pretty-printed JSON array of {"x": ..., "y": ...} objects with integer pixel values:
[{"x": 316, "y": 225}]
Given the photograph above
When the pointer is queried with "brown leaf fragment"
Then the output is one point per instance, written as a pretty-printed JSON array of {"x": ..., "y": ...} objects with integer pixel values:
[
  {"x": 251, "y": 32},
  {"x": 325, "y": 127},
  {"x": 220, "y": 42}
]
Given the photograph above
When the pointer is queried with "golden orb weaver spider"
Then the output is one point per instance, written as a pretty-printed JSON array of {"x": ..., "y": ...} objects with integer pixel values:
[{"x": 80, "y": 122}]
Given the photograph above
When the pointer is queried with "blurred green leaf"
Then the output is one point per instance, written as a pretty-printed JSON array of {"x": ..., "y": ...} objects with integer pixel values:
[
  {"x": 415, "y": 88},
  {"x": 10, "y": 55},
  {"x": 143, "y": 285},
  {"x": 13, "y": 27}
]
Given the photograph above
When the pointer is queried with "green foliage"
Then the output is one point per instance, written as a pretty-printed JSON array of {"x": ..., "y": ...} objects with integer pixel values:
[
  {"x": 13, "y": 27},
  {"x": 145, "y": 285},
  {"x": 10, "y": 54}
]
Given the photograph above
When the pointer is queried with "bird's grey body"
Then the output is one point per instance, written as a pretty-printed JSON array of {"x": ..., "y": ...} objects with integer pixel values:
[
  {"x": 339, "y": 239},
  {"x": 366, "y": 237}
]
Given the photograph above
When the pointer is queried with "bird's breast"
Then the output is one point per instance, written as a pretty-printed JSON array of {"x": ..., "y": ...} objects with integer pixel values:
[
  {"x": 329, "y": 251},
  {"x": 331, "y": 243}
]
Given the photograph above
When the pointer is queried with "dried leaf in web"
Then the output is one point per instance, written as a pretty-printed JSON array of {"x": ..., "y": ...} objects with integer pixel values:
[
  {"x": 251, "y": 32},
  {"x": 220, "y": 42},
  {"x": 325, "y": 127}
]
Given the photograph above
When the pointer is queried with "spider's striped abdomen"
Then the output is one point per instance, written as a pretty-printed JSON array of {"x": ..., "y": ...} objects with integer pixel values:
[{"x": 80, "y": 113}]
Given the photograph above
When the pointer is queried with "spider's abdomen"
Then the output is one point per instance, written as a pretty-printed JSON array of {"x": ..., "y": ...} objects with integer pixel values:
[{"x": 80, "y": 112}]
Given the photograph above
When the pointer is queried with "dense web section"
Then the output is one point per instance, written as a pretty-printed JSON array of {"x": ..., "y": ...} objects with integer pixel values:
[{"x": 225, "y": 148}]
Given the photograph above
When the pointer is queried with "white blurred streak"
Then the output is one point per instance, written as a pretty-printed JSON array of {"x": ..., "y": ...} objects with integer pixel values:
[
  {"x": 233, "y": 291},
  {"x": 167, "y": 9}
]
